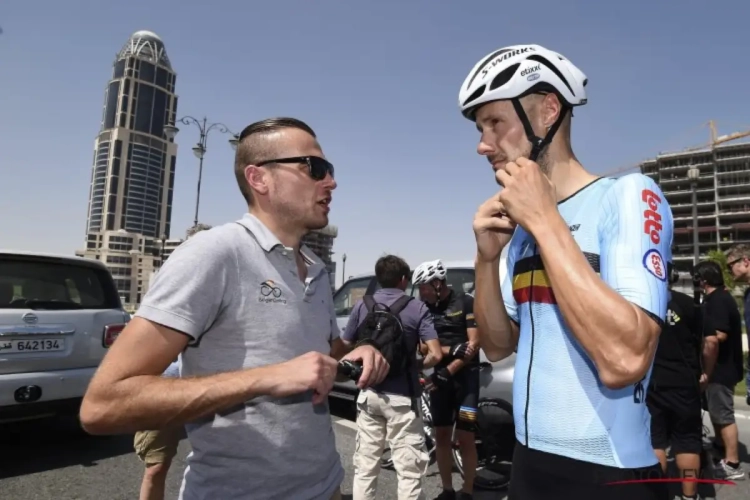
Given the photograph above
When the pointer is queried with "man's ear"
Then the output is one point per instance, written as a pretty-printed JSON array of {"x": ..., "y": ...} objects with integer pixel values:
[{"x": 257, "y": 179}]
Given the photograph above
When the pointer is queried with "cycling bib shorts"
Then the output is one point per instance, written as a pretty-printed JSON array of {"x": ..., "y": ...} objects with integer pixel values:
[
  {"x": 560, "y": 406},
  {"x": 458, "y": 402}
]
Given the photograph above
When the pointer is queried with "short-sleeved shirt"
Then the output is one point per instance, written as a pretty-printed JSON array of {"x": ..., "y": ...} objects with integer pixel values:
[
  {"x": 417, "y": 323},
  {"x": 453, "y": 316},
  {"x": 623, "y": 227},
  {"x": 725, "y": 317},
  {"x": 235, "y": 291},
  {"x": 678, "y": 356}
]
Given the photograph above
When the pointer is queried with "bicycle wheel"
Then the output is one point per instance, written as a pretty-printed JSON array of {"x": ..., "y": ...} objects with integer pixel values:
[
  {"x": 386, "y": 462},
  {"x": 495, "y": 440}
]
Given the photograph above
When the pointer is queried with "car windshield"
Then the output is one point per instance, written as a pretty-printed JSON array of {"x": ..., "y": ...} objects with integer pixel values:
[
  {"x": 461, "y": 280},
  {"x": 34, "y": 283}
]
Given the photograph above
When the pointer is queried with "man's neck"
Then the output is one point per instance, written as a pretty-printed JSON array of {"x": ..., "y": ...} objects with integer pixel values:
[
  {"x": 290, "y": 237},
  {"x": 710, "y": 290},
  {"x": 567, "y": 175}
]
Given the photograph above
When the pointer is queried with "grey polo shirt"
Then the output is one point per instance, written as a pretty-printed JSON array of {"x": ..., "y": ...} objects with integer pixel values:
[{"x": 235, "y": 291}]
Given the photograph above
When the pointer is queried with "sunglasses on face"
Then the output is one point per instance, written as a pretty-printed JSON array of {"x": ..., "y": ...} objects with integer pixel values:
[{"x": 317, "y": 167}]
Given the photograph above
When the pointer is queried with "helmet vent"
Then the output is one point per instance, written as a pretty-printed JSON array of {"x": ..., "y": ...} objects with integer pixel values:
[
  {"x": 476, "y": 95},
  {"x": 553, "y": 68},
  {"x": 504, "y": 76}
]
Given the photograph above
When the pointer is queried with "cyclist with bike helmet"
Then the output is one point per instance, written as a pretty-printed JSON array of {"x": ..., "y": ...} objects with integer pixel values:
[
  {"x": 455, "y": 380},
  {"x": 585, "y": 297}
]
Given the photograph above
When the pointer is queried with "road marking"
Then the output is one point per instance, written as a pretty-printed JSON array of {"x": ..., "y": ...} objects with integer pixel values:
[{"x": 345, "y": 423}]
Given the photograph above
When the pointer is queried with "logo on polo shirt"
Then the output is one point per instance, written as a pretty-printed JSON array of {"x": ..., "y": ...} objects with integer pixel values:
[{"x": 270, "y": 292}]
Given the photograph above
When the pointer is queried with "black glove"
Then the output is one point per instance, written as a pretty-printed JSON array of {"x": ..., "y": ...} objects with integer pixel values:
[
  {"x": 441, "y": 377},
  {"x": 459, "y": 351}
]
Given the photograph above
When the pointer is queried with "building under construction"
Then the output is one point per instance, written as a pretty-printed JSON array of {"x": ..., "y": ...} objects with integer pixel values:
[
  {"x": 320, "y": 241},
  {"x": 722, "y": 191}
]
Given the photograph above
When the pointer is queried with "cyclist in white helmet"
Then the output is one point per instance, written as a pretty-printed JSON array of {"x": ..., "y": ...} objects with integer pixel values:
[
  {"x": 455, "y": 379},
  {"x": 585, "y": 296}
]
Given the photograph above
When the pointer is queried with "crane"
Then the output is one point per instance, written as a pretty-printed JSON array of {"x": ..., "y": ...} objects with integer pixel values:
[{"x": 715, "y": 141}]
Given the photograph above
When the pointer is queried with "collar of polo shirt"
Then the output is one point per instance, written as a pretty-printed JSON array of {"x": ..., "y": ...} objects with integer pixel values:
[{"x": 269, "y": 242}]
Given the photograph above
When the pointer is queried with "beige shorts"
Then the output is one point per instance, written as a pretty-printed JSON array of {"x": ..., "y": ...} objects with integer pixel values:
[{"x": 158, "y": 447}]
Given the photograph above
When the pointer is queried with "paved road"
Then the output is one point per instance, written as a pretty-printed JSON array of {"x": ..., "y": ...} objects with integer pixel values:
[{"x": 56, "y": 462}]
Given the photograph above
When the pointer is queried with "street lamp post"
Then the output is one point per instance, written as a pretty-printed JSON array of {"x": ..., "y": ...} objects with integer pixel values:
[
  {"x": 343, "y": 269},
  {"x": 693, "y": 175},
  {"x": 200, "y": 149}
]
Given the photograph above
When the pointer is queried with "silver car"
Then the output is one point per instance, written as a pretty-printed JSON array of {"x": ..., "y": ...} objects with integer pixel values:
[{"x": 58, "y": 316}]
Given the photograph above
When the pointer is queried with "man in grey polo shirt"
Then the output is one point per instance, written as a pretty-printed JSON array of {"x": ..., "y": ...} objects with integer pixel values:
[{"x": 251, "y": 311}]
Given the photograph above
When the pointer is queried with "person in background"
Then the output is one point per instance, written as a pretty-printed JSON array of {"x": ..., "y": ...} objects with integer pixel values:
[
  {"x": 156, "y": 449},
  {"x": 674, "y": 394},
  {"x": 738, "y": 262},
  {"x": 724, "y": 315},
  {"x": 388, "y": 412},
  {"x": 454, "y": 383}
]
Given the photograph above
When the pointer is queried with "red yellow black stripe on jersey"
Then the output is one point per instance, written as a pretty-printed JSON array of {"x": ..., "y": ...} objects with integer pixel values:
[{"x": 531, "y": 283}]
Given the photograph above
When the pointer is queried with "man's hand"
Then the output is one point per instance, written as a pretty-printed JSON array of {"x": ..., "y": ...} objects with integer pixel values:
[
  {"x": 374, "y": 366},
  {"x": 440, "y": 377},
  {"x": 528, "y": 195},
  {"x": 492, "y": 229},
  {"x": 462, "y": 351},
  {"x": 313, "y": 370},
  {"x": 703, "y": 382}
]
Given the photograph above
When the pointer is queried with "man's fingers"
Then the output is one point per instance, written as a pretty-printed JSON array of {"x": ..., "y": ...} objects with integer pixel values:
[
  {"x": 367, "y": 368},
  {"x": 491, "y": 207},
  {"x": 512, "y": 168},
  {"x": 503, "y": 178},
  {"x": 494, "y": 223},
  {"x": 383, "y": 369}
]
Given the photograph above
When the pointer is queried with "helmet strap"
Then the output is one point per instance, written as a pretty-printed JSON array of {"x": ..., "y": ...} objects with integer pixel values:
[{"x": 537, "y": 143}]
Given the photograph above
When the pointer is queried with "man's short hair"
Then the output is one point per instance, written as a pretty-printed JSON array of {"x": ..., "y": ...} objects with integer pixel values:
[
  {"x": 738, "y": 251},
  {"x": 390, "y": 270},
  {"x": 253, "y": 147},
  {"x": 710, "y": 272}
]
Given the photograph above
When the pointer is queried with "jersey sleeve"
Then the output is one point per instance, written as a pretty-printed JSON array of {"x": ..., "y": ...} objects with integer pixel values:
[
  {"x": 635, "y": 237},
  {"x": 506, "y": 285},
  {"x": 469, "y": 311}
]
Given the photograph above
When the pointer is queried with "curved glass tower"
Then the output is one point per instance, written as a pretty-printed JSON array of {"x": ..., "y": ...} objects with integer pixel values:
[{"x": 132, "y": 178}]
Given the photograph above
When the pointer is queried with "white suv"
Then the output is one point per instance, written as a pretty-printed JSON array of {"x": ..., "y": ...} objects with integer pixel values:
[{"x": 58, "y": 316}]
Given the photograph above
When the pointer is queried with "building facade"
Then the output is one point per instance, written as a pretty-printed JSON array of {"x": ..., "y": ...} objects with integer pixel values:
[
  {"x": 132, "y": 176},
  {"x": 723, "y": 198},
  {"x": 320, "y": 241}
]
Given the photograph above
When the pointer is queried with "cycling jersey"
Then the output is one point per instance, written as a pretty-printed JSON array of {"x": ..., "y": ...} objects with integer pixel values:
[
  {"x": 452, "y": 317},
  {"x": 560, "y": 406}
]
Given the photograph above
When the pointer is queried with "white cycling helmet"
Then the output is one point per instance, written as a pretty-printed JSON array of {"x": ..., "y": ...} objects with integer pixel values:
[
  {"x": 513, "y": 72},
  {"x": 428, "y": 271}
]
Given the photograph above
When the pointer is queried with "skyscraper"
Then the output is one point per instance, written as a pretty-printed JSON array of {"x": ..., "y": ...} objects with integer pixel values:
[{"x": 132, "y": 177}]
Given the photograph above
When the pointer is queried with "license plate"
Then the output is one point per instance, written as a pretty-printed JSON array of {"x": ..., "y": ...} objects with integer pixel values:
[{"x": 38, "y": 345}]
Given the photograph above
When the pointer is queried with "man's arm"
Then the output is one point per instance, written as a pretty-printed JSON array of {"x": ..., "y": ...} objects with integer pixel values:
[
  {"x": 128, "y": 393},
  {"x": 429, "y": 344},
  {"x": 710, "y": 345},
  {"x": 616, "y": 318},
  {"x": 495, "y": 311}
]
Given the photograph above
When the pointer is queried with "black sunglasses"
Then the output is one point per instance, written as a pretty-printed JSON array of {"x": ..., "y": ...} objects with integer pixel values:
[{"x": 316, "y": 166}]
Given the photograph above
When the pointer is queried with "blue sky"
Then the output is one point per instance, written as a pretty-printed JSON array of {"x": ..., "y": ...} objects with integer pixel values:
[{"x": 379, "y": 83}]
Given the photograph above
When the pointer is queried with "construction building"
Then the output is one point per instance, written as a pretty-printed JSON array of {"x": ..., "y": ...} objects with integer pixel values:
[
  {"x": 320, "y": 241},
  {"x": 723, "y": 195}
]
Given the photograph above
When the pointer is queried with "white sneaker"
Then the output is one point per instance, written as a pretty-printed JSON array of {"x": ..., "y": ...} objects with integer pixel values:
[{"x": 725, "y": 471}]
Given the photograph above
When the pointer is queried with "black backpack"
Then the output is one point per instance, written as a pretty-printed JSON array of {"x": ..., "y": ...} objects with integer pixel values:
[{"x": 382, "y": 327}]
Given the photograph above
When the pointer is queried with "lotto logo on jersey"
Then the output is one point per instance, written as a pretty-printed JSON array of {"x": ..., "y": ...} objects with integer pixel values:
[
  {"x": 654, "y": 263},
  {"x": 652, "y": 225}
]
